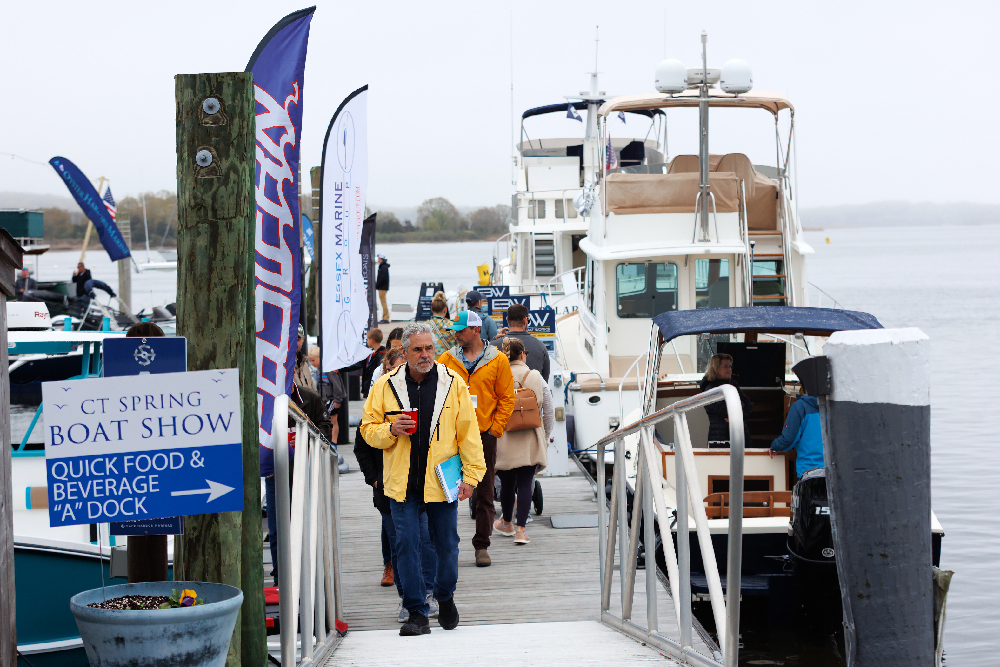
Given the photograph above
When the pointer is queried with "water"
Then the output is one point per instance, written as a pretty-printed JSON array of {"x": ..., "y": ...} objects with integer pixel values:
[
  {"x": 944, "y": 281},
  {"x": 940, "y": 279}
]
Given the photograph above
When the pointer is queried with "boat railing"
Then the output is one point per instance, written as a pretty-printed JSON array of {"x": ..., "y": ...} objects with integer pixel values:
[
  {"x": 650, "y": 501},
  {"x": 621, "y": 386},
  {"x": 836, "y": 304},
  {"x": 745, "y": 234},
  {"x": 308, "y": 522},
  {"x": 506, "y": 238},
  {"x": 577, "y": 272}
]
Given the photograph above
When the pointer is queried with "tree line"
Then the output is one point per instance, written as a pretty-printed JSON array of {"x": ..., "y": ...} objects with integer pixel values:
[
  {"x": 161, "y": 218},
  {"x": 439, "y": 220}
]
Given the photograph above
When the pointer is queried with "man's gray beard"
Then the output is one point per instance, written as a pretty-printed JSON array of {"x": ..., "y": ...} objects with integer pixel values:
[{"x": 424, "y": 367}]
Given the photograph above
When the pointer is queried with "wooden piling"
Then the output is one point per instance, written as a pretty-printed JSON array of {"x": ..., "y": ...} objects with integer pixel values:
[
  {"x": 10, "y": 260},
  {"x": 215, "y": 311}
]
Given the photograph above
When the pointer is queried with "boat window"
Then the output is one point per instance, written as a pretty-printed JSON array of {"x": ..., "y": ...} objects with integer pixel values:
[
  {"x": 768, "y": 282},
  {"x": 536, "y": 208},
  {"x": 564, "y": 209},
  {"x": 590, "y": 287},
  {"x": 646, "y": 289},
  {"x": 711, "y": 283}
]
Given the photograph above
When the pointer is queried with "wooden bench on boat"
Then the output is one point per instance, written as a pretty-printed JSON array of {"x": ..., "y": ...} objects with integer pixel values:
[{"x": 755, "y": 504}]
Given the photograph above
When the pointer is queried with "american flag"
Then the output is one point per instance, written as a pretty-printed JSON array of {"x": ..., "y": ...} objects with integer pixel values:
[
  {"x": 109, "y": 203},
  {"x": 612, "y": 162}
]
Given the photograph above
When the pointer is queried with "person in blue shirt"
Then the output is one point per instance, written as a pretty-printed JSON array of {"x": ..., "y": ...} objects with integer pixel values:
[{"x": 803, "y": 433}]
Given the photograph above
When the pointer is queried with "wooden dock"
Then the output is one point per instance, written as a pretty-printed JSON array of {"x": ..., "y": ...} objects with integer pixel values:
[{"x": 549, "y": 588}]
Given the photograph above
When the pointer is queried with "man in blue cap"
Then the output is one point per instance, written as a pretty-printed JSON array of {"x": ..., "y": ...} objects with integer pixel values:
[
  {"x": 475, "y": 302},
  {"x": 486, "y": 371}
]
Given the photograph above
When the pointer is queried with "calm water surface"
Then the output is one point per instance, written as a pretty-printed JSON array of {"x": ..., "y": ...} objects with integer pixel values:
[{"x": 943, "y": 280}]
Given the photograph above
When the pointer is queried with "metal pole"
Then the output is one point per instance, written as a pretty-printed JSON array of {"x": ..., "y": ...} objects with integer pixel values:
[
  {"x": 683, "y": 591},
  {"x": 737, "y": 446},
  {"x": 703, "y": 186},
  {"x": 338, "y": 568},
  {"x": 628, "y": 573},
  {"x": 649, "y": 540},
  {"x": 602, "y": 508},
  {"x": 608, "y": 567},
  {"x": 622, "y": 518},
  {"x": 286, "y": 603}
]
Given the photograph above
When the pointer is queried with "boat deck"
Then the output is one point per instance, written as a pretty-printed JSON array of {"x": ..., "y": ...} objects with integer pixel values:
[{"x": 538, "y": 603}]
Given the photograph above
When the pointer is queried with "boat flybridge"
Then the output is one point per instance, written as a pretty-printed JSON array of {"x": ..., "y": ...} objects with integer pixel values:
[
  {"x": 711, "y": 230},
  {"x": 554, "y": 180}
]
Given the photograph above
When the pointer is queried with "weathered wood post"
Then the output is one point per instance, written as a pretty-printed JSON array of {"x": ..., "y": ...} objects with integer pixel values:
[
  {"x": 877, "y": 448},
  {"x": 215, "y": 311},
  {"x": 10, "y": 260}
]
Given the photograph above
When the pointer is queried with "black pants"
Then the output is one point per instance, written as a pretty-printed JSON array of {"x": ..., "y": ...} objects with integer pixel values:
[
  {"x": 517, "y": 481},
  {"x": 485, "y": 509}
]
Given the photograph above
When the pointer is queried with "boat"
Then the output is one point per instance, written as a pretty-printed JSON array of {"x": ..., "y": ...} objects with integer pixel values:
[
  {"x": 554, "y": 181},
  {"x": 689, "y": 257}
]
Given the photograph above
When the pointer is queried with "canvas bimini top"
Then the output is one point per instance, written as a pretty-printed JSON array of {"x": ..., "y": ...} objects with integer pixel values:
[
  {"x": 579, "y": 106},
  {"x": 762, "y": 319},
  {"x": 773, "y": 102}
]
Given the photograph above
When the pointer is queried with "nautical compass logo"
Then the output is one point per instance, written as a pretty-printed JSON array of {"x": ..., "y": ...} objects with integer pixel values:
[{"x": 144, "y": 355}]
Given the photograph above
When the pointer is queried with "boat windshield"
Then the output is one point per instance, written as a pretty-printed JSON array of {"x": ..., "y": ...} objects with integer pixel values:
[{"x": 645, "y": 289}]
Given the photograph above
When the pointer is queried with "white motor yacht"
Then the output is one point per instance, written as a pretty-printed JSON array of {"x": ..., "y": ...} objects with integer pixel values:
[{"x": 554, "y": 180}]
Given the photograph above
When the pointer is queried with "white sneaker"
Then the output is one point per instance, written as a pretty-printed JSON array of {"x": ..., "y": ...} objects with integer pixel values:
[
  {"x": 433, "y": 611},
  {"x": 403, "y": 615}
]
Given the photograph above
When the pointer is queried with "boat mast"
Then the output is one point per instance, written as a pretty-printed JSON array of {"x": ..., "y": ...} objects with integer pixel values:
[
  {"x": 145, "y": 226},
  {"x": 590, "y": 134},
  {"x": 703, "y": 185}
]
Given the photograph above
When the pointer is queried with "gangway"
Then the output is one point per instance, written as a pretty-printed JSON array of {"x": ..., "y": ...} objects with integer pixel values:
[{"x": 545, "y": 603}]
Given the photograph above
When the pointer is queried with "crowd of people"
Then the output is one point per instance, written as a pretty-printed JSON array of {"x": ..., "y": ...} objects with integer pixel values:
[{"x": 433, "y": 390}]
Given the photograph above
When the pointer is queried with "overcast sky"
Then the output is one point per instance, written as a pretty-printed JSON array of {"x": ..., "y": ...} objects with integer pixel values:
[{"x": 891, "y": 101}]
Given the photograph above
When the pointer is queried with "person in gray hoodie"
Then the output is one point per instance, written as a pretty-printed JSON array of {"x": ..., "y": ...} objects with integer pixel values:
[{"x": 475, "y": 302}]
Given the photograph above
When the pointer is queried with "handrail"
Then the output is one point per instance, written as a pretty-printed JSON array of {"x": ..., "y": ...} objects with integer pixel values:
[
  {"x": 621, "y": 385},
  {"x": 836, "y": 304},
  {"x": 579, "y": 281},
  {"x": 649, "y": 498},
  {"x": 308, "y": 522}
]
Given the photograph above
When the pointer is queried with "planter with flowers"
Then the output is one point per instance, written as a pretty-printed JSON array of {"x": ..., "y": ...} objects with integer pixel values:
[{"x": 158, "y": 623}]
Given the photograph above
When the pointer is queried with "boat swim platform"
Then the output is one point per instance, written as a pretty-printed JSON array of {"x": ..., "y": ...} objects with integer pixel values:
[{"x": 537, "y": 603}]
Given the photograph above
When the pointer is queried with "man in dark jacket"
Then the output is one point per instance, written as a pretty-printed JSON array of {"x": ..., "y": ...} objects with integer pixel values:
[
  {"x": 368, "y": 365},
  {"x": 474, "y": 300},
  {"x": 80, "y": 277},
  {"x": 517, "y": 327},
  {"x": 24, "y": 285},
  {"x": 382, "y": 285}
]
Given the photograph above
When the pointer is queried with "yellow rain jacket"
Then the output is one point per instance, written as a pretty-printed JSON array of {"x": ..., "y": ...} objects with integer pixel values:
[{"x": 455, "y": 431}]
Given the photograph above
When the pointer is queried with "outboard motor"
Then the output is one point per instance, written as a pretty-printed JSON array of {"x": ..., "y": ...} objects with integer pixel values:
[{"x": 812, "y": 554}]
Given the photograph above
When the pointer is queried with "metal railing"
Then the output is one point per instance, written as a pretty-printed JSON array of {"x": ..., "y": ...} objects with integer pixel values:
[
  {"x": 308, "y": 525},
  {"x": 649, "y": 500}
]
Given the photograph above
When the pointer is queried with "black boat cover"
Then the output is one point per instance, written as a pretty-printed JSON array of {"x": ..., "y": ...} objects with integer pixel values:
[
  {"x": 581, "y": 106},
  {"x": 762, "y": 319}
]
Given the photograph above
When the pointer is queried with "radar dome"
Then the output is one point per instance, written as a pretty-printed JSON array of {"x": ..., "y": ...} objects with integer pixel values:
[
  {"x": 671, "y": 77},
  {"x": 736, "y": 77}
]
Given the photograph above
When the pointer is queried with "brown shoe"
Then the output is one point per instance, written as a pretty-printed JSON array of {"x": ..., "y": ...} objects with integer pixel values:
[
  {"x": 387, "y": 579},
  {"x": 482, "y": 558}
]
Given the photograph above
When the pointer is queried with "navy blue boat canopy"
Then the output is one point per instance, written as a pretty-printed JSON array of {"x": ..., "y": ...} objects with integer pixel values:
[
  {"x": 581, "y": 106},
  {"x": 762, "y": 319}
]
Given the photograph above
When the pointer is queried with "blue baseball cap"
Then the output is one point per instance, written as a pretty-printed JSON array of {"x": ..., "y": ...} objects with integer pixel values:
[{"x": 466, "y": 319}]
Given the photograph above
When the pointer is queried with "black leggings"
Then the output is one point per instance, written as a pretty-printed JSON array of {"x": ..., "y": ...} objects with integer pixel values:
[{"x": 519, "y": 481}]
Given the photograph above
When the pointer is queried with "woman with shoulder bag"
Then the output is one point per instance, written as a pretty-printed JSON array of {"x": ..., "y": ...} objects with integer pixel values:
[{"x": 523, "y": 449}]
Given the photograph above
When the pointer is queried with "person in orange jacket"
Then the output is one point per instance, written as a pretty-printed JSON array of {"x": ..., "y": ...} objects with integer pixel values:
[{"x": 486, "y": 371}]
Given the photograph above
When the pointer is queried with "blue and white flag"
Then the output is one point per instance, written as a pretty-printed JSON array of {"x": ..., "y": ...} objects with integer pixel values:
[
  {"x": 571, "y": 112},
  {"x": 93, "y": 207},
  {"x": 308, "y": 236},
  {"x": 278, "y": 65},
  {"x": 621, "y": 116}
]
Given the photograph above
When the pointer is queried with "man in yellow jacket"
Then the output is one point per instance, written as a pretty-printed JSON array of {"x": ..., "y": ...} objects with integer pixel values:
[
  {"x": 487, "y": 373},
  {"x": 445, "y": 425}
]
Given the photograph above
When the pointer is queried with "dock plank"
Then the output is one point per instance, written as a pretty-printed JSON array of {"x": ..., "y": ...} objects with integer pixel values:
[{"x": 554, "y": 579}]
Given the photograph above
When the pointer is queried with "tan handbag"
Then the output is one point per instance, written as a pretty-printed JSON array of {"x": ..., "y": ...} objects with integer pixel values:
[{"x": 527, "y": 413}]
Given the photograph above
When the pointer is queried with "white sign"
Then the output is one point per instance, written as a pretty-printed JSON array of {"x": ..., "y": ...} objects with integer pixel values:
[
  {"x": 132, "y": 447},
  {"x": 344, "y": 190}
]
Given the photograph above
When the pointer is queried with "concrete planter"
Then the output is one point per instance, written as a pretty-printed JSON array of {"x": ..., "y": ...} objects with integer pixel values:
[{"x": 191, "y": 636}]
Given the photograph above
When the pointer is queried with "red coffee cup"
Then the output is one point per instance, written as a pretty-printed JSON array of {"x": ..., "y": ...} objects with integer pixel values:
[{"x": 412, "y": 414}]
